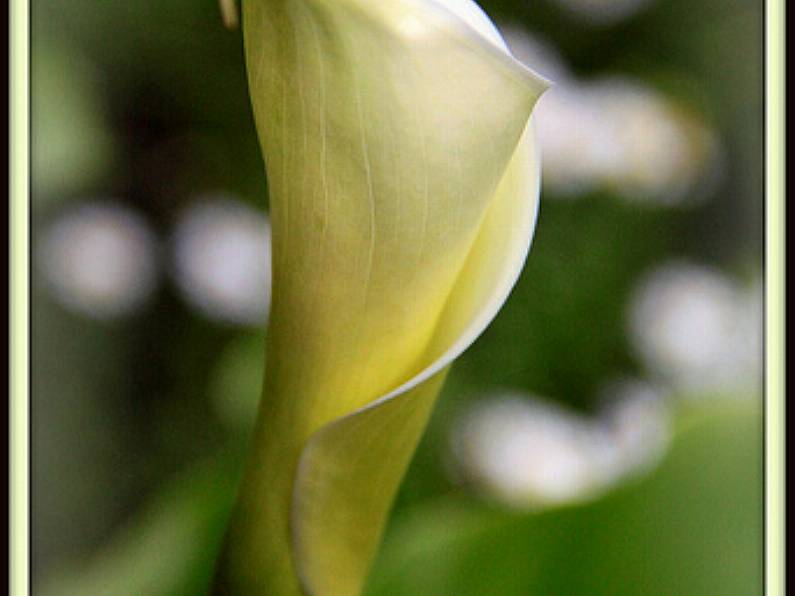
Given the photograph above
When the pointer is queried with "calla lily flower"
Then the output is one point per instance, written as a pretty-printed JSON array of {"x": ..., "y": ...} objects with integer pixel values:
[{"x": 404, "y": 180}]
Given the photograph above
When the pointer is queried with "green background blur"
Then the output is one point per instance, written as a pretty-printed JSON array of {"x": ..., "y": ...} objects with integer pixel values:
[{"x": 146, "y": 371}]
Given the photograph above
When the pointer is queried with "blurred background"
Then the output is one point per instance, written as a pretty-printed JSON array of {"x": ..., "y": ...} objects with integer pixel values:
[{"x": 603, "y": 436}]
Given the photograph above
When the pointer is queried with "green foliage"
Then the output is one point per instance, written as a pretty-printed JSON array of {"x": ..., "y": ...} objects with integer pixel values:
[{"x": 693, "y": 527}]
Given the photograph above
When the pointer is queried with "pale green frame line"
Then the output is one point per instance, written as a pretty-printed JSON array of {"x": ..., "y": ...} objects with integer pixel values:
[
  {"x": 19, "y": 70},
  {"x": 775, "y": 568}
]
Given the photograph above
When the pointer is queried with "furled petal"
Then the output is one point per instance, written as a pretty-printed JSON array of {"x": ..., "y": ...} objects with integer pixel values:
[
  {"x": 352, "y": 467},
  {"x": 403, "y": 186}
]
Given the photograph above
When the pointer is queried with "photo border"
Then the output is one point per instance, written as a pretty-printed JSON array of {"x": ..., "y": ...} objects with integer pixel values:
[
  {"x": 775, "y": 289},
  {"x": 19, "y": 306}
]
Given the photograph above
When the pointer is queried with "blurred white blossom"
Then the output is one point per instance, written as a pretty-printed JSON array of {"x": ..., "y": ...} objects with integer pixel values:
[
  {"x": 636, "y": 417},
  {"x": 697, "y": 329},
  {"x": 531, "y": 453},
  {"x": 656, "y": 152},
  {"x": 99, "y": 259},
  {"x": 222, "y": 260},
  {"x": 615, "y": 133}
]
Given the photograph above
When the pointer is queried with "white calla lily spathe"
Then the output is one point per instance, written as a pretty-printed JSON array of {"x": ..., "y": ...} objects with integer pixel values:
[{"x": 404, "y": 179}]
